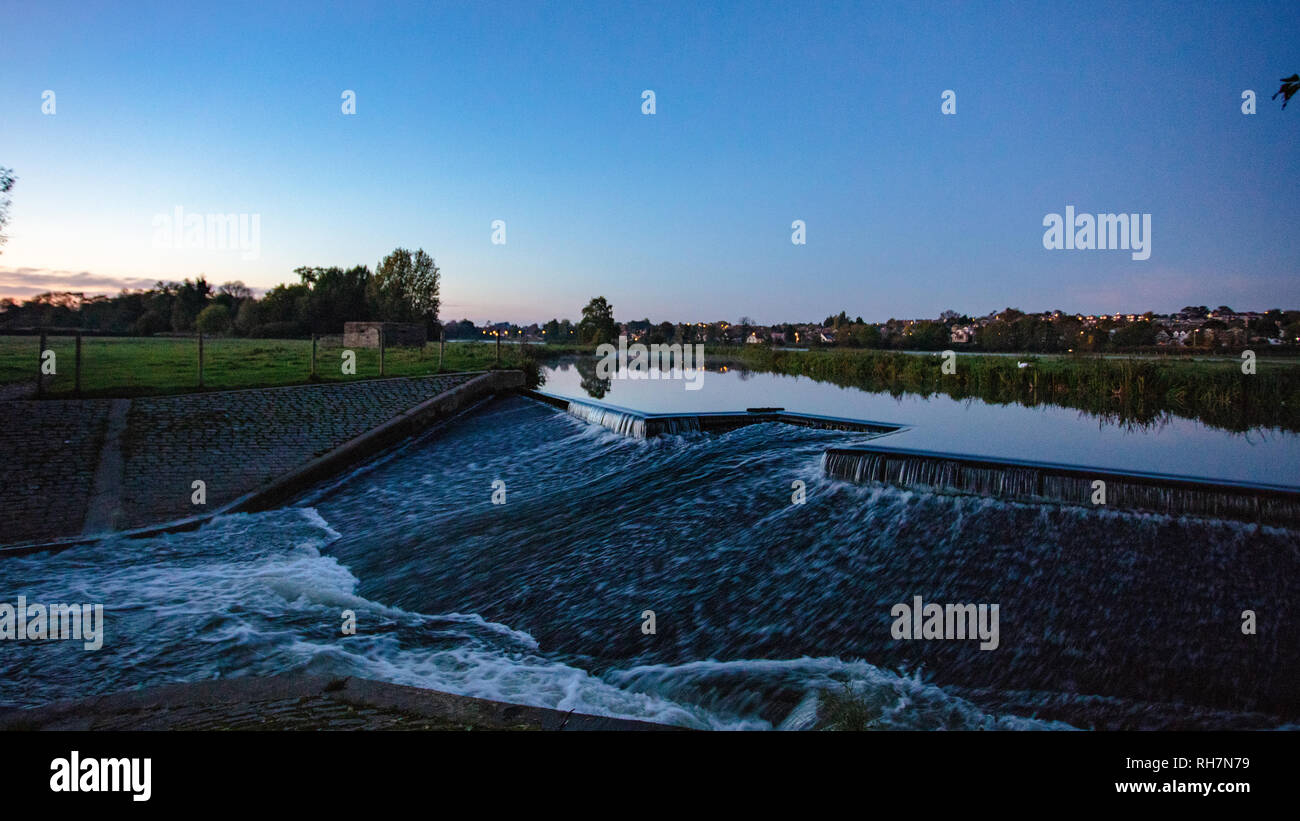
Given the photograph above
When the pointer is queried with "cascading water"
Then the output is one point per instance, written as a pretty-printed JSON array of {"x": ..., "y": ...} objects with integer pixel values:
[
  {"x": 1063, "y": 485},
  {"x": 633, "y": 424},
  {"x": 1108, "y": 619},
  {"x": 641, "y": 426},
  {"x": 672, "y": 425},
  {"x": 628, "y": 424}
]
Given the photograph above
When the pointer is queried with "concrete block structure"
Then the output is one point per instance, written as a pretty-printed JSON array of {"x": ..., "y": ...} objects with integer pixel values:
[{"x": 396, "y": 334}]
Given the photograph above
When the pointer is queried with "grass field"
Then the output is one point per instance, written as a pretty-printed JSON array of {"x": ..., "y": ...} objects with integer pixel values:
[{"x": 113, "y": 366}]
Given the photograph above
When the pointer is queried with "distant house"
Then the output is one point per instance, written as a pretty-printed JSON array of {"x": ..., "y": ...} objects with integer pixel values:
[
  {"x": 778, "y": 337},
  {"x": 826, "y": 336},
  {"x": 752, "y": 339},
  {"x": 962, "y": 334}
]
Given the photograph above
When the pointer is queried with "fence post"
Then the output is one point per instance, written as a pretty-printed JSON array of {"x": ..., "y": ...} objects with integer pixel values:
[
  {"x": 381, "y": 351},
  {"x": 40, "y": 360},
  {"x": 77, "y": 389},
  {"x": 313, "y": 356},
  {"x": 442, "y": 343},
  {"x": 200, "y": 360}
]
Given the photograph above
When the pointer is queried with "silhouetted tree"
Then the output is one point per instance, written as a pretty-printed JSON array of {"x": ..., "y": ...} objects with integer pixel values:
[
  {"x": 597, "y": 323},
  {"x": 7, "y": 180},
  {"x": 337, "y": 296},
  {"x": 404, "y": 287}
]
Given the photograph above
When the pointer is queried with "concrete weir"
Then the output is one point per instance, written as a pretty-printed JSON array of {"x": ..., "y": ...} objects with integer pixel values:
[
  {"x": 288, "y": 474},
  {"x": 643, "y": 425},
  {"x": 1029, "y": 481}
]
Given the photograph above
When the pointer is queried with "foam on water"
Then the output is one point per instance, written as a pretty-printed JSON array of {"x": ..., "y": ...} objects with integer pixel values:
[
  {"x": 251, "y": 594},
  {"x": 903, "y": 702}
]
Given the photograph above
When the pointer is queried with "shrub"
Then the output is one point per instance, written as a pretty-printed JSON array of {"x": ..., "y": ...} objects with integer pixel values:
[
  {"x": 150, "y": 323},
  {"x": 277, "y": 330},
  {"x": 214, "y": 319}
]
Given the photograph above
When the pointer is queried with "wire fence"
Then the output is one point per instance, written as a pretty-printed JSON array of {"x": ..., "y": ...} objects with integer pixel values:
[{"x": 60, "y": 363}]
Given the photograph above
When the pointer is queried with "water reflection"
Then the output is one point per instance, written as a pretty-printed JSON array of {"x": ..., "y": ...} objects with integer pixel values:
[
  {"x": 595, "y": 386},
  {"x": 1105, "y": 438}
]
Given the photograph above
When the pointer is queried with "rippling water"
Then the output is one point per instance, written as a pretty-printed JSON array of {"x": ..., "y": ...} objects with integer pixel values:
[{"x": 1106, "y": 619}]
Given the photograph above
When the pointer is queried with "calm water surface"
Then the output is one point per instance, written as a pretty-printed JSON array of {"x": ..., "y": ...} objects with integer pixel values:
[{"x": 1048, "y": 433}]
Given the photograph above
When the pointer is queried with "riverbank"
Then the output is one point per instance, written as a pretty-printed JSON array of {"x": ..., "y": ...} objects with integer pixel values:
[{"x": 299, "y": 702}]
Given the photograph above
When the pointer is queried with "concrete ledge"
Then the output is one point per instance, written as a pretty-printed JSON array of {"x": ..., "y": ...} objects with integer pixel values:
[
  {"x": 434, "y": 409},
  {"x": 300, "y": 702},
  {"x": 655, "y": 424},
  {"x": 367, "y": 444},
  {"x": 1035, "y": 481}
]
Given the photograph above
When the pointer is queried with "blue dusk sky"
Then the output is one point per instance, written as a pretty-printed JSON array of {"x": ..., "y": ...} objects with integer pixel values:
[{"x": 765, "y": 113}]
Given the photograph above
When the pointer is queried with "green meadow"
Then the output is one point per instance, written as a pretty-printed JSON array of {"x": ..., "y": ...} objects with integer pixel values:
[{"x": 139, "y": 366}]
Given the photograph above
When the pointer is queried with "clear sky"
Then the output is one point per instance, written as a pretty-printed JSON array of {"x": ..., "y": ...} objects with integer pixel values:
[{"x": 765, "y": 113}]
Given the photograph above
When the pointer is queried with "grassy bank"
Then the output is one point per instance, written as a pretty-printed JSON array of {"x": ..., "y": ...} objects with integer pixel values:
[
  {"x": 141, "y": 366},
  {"x": 1126, "y": 391}
]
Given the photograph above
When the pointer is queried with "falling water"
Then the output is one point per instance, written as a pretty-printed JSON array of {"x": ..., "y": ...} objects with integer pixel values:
[
  {"x": 656, "y": 426},
  {"x": 624, "y": 422},
  {"x": 1054, "y": 483},
  {"x": 641, "y": 426},
  {"x": 633, "y": 424}
]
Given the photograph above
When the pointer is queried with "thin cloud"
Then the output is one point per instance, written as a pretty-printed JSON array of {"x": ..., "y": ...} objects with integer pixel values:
[{"x": 24, "y": 283}]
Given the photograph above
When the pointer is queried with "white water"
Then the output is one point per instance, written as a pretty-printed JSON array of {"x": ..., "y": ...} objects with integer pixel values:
[{"x": 253, "y": 595}]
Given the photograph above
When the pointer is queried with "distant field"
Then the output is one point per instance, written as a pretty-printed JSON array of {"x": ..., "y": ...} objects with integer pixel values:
[{"x": 114, "y": 366}]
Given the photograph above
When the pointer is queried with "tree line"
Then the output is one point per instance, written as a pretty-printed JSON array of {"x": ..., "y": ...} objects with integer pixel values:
[{"x": 402, "y": 288}]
